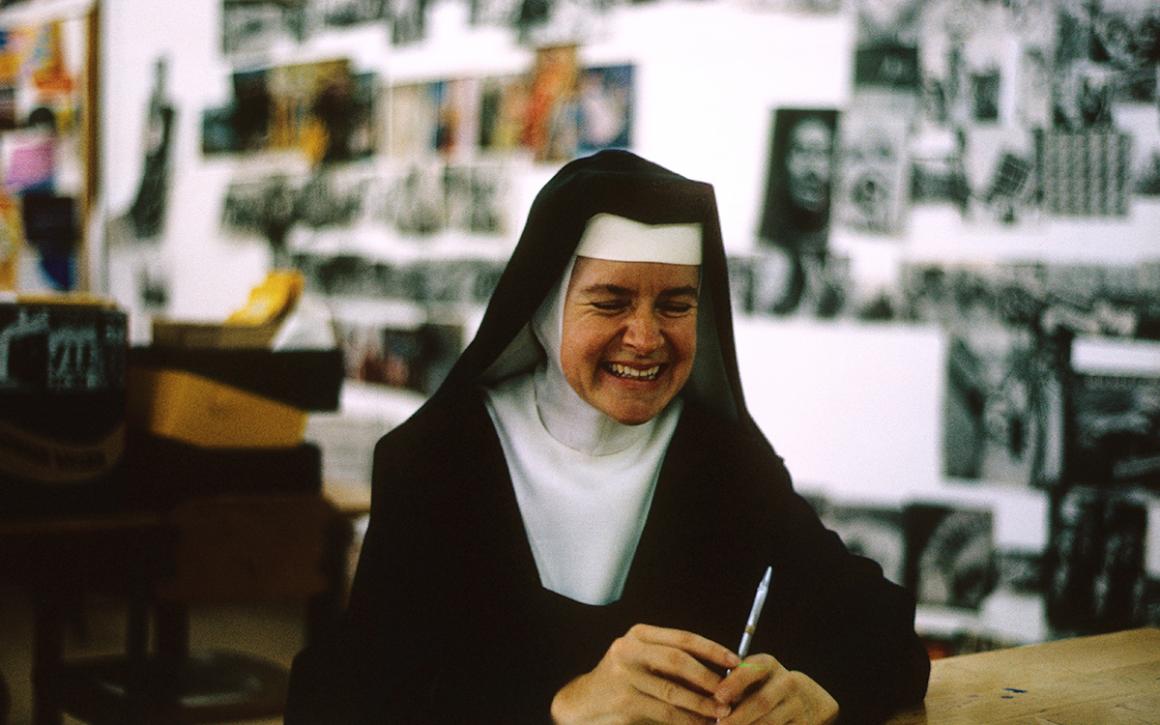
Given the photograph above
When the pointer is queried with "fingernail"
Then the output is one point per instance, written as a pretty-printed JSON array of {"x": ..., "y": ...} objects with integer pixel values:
[
  {"x": 732, "y": 659},
  {"x": 723, "y": 711}
]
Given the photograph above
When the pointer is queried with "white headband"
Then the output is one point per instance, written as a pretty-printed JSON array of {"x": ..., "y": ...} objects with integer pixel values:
[{"x": 618, "y": 239}]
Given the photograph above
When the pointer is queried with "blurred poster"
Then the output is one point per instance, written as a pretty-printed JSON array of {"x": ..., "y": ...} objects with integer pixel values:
[
  {"x": 1096, "y": 580},
  {"x": 147, "y": 212},
  {"x": 11, "y": 242},
  {"x": 950, "y": 555},
  {"x": 302, "y": 96},
  {"x": 408, "y": 21},
  {"x": 1002, "y": 418},
  {"x": 795, "y": 217},
  {"x": 42, "y": 73},
  {"x": 457, "y": 117},
  {"x": 413, "y": 119},
  {"x": 597, "y": 115},
  {"x": 800, "y": 179},
  {"x": 1116, "y": 402},
  {"x": 52, "y": 229},
  {"x": 604, "y": 105},
  {"x": 503, "y": 106},
  {"x": 1106, "y": 53},
  {"x": 887, "y": 22},
  {"x": 873, "y": 532},
  {"x": 326, "y": 15},
  {"x": 549, "y": 126},
  {"x": 887, "y": 66},
  {"x": 873, "y": 190},
  {"x": 392, "y": 350},
  {"x": 1086, "y": 173},
  {"x": 257, "y": 26}
]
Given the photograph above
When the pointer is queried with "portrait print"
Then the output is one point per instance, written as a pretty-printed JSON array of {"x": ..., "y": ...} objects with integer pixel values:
[{"x": 800, "y": 180}]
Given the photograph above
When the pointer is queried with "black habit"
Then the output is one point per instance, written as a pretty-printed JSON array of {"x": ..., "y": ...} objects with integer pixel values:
[{"x": 448, "y": 621}]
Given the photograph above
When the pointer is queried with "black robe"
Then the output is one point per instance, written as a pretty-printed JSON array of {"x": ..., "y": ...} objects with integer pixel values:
[{"x": 448, "y": 621}]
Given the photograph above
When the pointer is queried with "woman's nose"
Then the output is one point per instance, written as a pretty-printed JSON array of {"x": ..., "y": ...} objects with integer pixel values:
[{"x": 642, "y": 333}]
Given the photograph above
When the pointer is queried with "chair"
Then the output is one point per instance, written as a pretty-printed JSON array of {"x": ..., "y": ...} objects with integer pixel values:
[{"x": 229, "y": 549}]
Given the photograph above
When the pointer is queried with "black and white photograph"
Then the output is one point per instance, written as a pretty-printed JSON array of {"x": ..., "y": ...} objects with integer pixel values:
[
  {"x": 331, "y": 200},
  {"x": 413, "y": 201},
  {"x": 326, "y": 15},
  {"x": 805, "y": 7},
  {"x": 1106, "y": 53},
  {"x": 950, "y": 554},
  {"x": 1095, "y": 564},
  {"x": 1086, "y": 173},
  {"x": 873, "y": 532},
  {"x": 408, "y": 21},
  {"x": 887, "y": 22},
  {"x": 795, "y": 217},
  {"x": 873, "y": 190},
  {"x": 800, "y": 179},
  {"x": 1115, "y": 396},
  {"x": 476, "y": 198},
  {"x": 257, "y": 26},
  {"x": 266, "y": 208},
  {"x": 1002, "y": 419}
]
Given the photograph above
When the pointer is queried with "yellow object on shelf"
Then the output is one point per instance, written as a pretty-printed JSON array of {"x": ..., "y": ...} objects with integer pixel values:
[
  {"x": 271, "y": 300},
  {"x": 202, "y": 412}
]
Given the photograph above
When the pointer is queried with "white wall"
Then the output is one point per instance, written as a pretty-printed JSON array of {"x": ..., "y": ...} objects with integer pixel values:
[{"x": 856, "y": 410}]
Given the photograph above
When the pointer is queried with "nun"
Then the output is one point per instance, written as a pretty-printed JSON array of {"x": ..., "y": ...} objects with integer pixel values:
[{"x": 572, "y": 528}]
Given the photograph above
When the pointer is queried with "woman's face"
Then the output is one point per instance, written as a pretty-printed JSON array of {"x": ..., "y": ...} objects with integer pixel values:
[{"x": 630, "y": 334}]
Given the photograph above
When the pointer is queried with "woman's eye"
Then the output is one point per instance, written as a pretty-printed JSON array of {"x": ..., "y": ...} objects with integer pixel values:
[
  {"x": 675, "y": 308},
  {"x": 612, "y": 306}
]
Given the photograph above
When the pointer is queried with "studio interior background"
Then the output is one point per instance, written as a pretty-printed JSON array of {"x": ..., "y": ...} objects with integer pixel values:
[{"x": 942, "y": 217}]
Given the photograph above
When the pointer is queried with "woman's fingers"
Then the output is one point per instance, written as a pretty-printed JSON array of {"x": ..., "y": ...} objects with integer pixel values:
[
  {"x": 699, "y": 647},
  {"x": 761, "y": 690},
  {"x": 746, "y": 675},
  {"x": 678, "y": 695},
  {"x": 649, "y": 674},
  {"x": 664, "y": 665}
]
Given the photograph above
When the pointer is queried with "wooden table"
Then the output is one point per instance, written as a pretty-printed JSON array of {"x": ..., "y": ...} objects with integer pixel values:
[{"x": 1099, "y": 680}]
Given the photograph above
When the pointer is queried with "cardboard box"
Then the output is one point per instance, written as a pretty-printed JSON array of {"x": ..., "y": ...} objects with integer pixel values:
[
  {"x": 307, "y": 379},
  {"x": 200, "y": 411}
]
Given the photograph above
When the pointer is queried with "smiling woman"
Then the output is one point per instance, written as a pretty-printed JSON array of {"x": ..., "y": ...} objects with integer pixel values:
[
  {"x": 629, "y": 335},
  {"x": 571, "y": 527}
]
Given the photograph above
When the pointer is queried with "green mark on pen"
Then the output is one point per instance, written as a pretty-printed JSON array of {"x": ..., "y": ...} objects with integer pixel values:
[{"x": 753, "y": 664}]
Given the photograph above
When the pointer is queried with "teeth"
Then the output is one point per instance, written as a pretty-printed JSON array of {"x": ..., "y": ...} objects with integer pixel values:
[{"x": 624, "y": 371}]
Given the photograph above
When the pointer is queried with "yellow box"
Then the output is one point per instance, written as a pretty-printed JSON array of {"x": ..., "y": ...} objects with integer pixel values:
[
  {"x": 203, "y": 412},
  {"x": 173, "y": 333}
]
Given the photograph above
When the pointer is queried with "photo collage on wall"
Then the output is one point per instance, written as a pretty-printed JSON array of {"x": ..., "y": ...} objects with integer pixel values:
[
  {"x": 556, "y": 111},
  {"x": 1090, "y": 578},
  {"x": 258, "y": 26},
  {"x": 1006, "y": 114},
  {"x": 944, "y": 553},
  {"x": 389, "y": 166},
  {"x": 42, "y": 90}
]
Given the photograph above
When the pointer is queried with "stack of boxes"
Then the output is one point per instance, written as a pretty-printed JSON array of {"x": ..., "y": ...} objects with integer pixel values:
[{"x": 62, "y": 405}]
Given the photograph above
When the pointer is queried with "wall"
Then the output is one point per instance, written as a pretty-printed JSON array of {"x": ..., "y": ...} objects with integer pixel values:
[{"x": 856, "y": 408}]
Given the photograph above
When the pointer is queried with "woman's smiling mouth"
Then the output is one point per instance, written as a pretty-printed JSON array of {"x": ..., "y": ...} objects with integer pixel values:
[{"x": 628, "y": 372}]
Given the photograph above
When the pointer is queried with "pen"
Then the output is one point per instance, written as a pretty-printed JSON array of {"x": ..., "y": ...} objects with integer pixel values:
[{"x": 754, "y": 614}]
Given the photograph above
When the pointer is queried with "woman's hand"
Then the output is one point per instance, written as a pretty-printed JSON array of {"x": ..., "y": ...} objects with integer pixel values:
[
  {"x": 651, "y": 674},
  {"x": 760, "y": 690}
]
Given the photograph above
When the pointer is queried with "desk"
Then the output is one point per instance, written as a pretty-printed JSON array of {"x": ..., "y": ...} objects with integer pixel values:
[{"x": 1109, "y": 678}]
